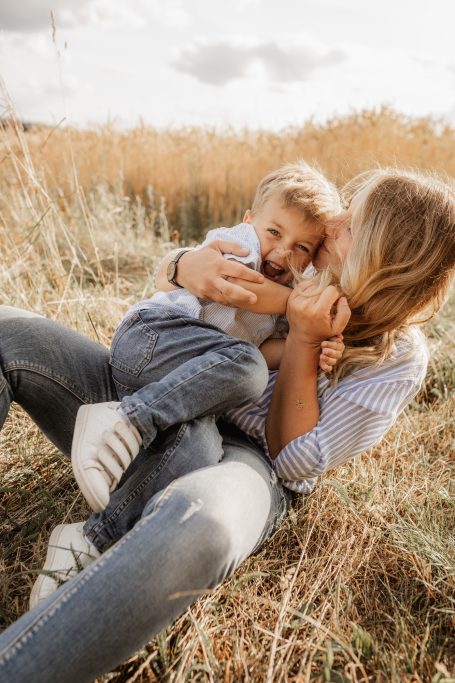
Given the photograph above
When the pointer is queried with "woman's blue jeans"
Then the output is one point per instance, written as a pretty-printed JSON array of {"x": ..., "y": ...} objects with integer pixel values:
[{"x": 189, "y": 536}]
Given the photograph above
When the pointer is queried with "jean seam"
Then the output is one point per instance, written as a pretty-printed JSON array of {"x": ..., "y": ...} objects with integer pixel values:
[
  {"x": 45, "y": 372},
  {"x": 272, "y": 526},
  {"x": 140, "y": 487},
  {"x": 65, "y": 595}
]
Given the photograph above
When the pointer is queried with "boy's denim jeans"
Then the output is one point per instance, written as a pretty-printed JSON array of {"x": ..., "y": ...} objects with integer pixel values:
[
  {"x": 169, "y": 368},
  {"x": 190, "y": 536}
]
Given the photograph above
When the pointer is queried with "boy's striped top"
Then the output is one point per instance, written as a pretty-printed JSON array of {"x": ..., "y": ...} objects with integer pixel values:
[{"x": 354, "y": 415}]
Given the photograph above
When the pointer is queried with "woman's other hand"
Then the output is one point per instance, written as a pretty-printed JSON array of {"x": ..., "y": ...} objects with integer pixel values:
[
  {"x": 205, "y": 273},
  {"x": 316, "y": 316}
]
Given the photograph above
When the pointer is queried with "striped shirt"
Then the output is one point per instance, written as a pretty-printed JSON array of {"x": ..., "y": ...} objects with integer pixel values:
[
  {"x": 246, "y": 325},
  {"x": 354, "y": 415}
]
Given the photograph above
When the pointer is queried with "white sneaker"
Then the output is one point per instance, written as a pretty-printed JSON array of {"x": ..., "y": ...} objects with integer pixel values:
[
  {"x": 68, "y": 552},
  {"x": 104, "y": 444}
]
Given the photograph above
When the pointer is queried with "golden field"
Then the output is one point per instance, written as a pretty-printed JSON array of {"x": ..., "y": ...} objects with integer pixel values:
[{"x": 358, "y": 583}]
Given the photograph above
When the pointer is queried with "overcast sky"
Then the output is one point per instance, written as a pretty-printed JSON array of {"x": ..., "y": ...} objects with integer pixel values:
[{"x": 254, "y": 63}]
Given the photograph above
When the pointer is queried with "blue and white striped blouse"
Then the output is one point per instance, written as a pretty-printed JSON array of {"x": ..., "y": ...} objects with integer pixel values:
[{"x": 354, "y": 415}]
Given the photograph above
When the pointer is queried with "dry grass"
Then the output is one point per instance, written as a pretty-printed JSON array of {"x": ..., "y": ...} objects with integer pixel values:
[{"x": 358, "y": 584}]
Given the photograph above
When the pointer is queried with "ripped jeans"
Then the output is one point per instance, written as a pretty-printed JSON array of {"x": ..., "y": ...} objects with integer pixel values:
[{"x": 188, "y": 537}]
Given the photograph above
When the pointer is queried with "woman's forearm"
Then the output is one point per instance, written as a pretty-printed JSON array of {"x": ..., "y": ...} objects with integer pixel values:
[
  {"x": 294, "y": 408},
  {"x": 271, "y": 296}
]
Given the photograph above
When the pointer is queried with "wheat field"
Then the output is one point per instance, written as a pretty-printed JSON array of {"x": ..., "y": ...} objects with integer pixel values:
[{"x": 358, "y": 583}]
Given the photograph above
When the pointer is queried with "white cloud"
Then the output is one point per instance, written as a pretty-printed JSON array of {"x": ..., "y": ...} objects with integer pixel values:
[
  {"x": 35, "y": 15},
  {"x": 218, "y": 63}
]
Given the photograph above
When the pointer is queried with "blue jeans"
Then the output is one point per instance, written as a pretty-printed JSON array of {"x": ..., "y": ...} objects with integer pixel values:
[
  {"x": 169, "y": 368},
  {"x": 190, "y": 536}
]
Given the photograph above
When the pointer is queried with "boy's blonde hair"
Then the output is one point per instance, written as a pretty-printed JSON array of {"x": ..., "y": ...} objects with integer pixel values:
[
  {"x": 300, "y": 186},
  {"x": 401, "y": 262}
]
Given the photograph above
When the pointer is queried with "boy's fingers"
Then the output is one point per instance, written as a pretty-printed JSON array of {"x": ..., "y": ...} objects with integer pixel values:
[
  {"x": 331, "y": 353},
  {"x": 327, "y": 344}
]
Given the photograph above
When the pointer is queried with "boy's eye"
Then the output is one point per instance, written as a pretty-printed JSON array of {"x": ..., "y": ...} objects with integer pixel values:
[
  {"x": 274, "y": 232},
  {"x": 303, "y": 248}
]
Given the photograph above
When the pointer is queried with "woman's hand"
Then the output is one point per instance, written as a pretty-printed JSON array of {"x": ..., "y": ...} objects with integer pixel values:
[
  {"x": 314, "y": 317},
  {"x": 204, "y": 272}
]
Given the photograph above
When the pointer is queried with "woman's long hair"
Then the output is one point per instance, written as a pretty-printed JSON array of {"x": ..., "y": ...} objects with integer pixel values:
[{"x": 401, "y": 262}]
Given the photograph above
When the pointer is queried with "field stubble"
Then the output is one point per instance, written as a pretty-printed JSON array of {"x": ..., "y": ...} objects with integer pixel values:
[{"x": 358, "y": 583}]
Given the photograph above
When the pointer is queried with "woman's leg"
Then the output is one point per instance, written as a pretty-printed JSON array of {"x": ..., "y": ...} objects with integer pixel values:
[
  {"x": 188, "y": 447},
  {"x": 192, "y": 536},
  {"x": 50, "y": 371}
]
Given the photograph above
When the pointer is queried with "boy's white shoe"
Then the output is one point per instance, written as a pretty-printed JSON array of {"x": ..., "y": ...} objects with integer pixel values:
[
  {"x": 104, "y": 444},
  {"x": 68, "y": 552}
]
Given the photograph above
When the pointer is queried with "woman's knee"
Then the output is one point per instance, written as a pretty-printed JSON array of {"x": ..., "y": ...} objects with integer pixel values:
[
  {"x": 12, "y": 312},
  {"x": 199, "y": 532}
]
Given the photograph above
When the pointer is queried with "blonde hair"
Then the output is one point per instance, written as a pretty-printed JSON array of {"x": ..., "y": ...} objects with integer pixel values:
[
  {"x": 401, "y": 262},
  {"x": 300, "y": 186}
]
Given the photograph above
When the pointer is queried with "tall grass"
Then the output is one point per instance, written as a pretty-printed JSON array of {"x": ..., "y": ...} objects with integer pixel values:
[{"x": 358, "y": 583}]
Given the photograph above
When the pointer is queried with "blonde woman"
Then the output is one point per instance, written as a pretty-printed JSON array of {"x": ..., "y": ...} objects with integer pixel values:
[{"x": 394, "y": 254}]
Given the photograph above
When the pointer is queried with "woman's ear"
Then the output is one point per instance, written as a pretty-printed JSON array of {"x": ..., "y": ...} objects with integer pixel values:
[{"x": 248, "y": 217}]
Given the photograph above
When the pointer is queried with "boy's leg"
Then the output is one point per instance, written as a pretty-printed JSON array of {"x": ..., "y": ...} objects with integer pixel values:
[
  {"x": 179, "y": 451},
  {"x": 180, "y": 369},
  {"x": 50, "y": 371}
]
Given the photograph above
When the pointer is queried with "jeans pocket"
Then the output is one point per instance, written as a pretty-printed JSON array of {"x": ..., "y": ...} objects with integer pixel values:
[{"x": 133, "y": 345}]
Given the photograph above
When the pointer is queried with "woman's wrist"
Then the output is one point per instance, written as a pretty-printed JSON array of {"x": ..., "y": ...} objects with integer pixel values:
[{"x": 303, "y": 342}]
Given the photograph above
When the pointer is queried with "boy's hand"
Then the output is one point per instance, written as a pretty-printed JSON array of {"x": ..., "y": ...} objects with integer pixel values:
[{"x": 331, "y": 351}]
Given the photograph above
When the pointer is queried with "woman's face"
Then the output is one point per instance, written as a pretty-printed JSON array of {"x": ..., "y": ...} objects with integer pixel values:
[
  {"x": 336, "y": 245},
  {"x": 338, "y": 239}
]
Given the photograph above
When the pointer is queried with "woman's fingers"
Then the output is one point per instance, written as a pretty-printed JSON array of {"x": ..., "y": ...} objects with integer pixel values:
[
  {"x": 238, "y": 270},
  {"x": 232, "y": 294},
  {"x": 226, "y": 247}
]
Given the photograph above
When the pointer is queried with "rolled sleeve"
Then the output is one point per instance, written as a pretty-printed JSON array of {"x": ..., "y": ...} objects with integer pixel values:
[{"x": 243, "y": 234}]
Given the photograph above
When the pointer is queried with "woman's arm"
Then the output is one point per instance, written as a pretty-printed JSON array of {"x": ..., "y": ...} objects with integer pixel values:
[
  {"x": 206, "y": 274},
  {"x": 294, "y": 408},
  {"x": 203, "y": 272}
]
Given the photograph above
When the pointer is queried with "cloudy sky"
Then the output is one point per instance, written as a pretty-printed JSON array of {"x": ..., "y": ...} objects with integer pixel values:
[{"x": 257, "y": 63}]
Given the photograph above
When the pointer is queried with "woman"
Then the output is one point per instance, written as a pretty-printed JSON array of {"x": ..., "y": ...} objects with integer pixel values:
[{"x": 395, "y": 255}]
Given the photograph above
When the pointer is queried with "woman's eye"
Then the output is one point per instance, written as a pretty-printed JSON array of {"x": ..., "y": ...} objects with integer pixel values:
[{"x": 303, "y": 248}]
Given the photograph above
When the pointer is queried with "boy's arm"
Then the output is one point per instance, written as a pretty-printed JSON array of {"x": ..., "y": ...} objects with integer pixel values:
[
  {"x": 331, "y": 351},
  {"x": 272, "y": 350}
]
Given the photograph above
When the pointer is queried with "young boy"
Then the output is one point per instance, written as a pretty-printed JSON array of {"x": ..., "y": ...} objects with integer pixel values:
[{"x": 175, "y": 358}]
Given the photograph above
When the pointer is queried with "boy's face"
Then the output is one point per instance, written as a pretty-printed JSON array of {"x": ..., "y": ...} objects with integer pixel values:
[{"x": 287, "y": 238}]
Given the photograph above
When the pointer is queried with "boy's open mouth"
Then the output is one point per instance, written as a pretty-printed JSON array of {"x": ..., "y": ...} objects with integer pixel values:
[{"x": 272, "y": 270}]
